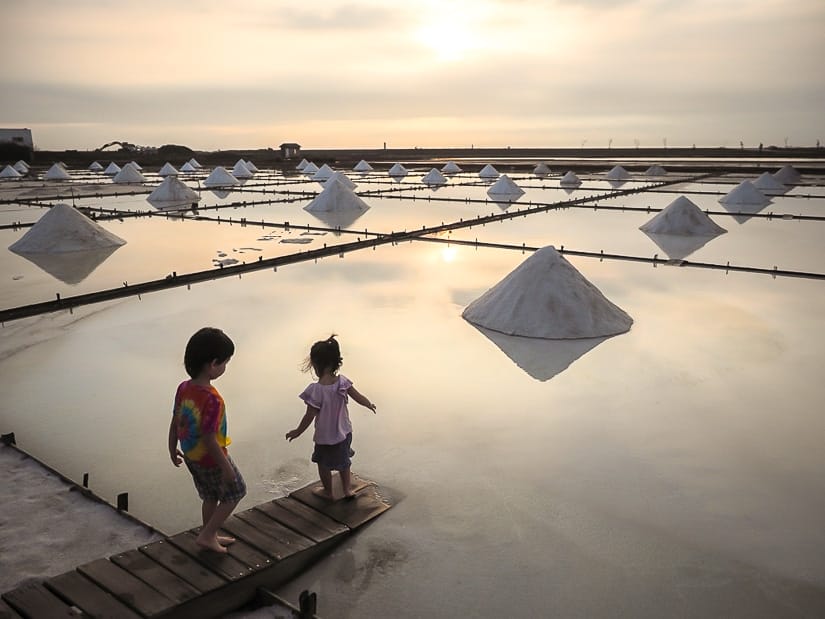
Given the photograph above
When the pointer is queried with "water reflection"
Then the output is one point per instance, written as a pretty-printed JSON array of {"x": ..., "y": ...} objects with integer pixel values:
[
  {"x": 541, "y": 358},
  {"x": 743, "y": 212},
  {"x": 342, "y": 218},
  {"x": 71, "y": 267},
  {"x": 678, "y": 246}
]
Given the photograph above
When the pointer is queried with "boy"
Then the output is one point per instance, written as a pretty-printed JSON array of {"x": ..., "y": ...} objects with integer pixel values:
[{"x": 199, "y": 424}]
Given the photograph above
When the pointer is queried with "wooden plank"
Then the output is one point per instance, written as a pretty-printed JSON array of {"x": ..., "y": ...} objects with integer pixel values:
[
  {"x": 155, "y": 575},
  {"x": 354, "y": 512},
  {"x": 131, "y": 591},
  {"x": 223, "y": 564},
  {"x": 248, "y": 554},
  {"x": 260, "y": 540},
  {"x": 6, "y": 611},
  {"x": 33, "y": 600},
  {"x": 89, "y": 597},
  {"x": 193, "y": 572},
  {"x": 275, "y": 530},
  {"x": 302, "y": 518}
]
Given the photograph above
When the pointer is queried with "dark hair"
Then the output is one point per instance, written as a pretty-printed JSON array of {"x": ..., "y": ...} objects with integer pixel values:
[
  {"x": 324, "y": 355},
  {"x": 207, "y": 345}
]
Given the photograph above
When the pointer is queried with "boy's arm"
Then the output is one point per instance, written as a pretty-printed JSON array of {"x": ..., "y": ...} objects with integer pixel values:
[
  {"x": 174, "y": 453},
  {"x": 305, "y": 421},
  {"x": 214, "y": 450},
  {"x": 360, "y": 398}
]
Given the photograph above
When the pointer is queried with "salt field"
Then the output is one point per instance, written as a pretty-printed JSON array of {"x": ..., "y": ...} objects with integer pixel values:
[{"x": 668, "y": 467}]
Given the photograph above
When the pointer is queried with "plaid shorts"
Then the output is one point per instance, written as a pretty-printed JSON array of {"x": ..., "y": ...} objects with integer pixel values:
[{"x": 209, "y": 486}]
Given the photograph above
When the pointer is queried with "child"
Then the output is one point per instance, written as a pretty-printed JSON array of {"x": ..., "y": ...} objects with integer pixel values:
[
  {"x": 199, "y": 423},
  {"x": 326, "y": 403}
]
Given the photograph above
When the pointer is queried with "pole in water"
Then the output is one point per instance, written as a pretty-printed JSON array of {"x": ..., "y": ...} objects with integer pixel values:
[{"x": 123, "y": 502}]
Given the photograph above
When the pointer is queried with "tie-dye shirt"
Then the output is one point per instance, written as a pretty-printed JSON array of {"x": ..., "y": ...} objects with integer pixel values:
[{"x": 200, "y": 411}]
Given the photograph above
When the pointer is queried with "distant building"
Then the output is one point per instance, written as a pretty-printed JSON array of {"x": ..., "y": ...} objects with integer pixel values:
[
  {"x": 290, "y": 150},
  {"x": 22, "y": 137}
]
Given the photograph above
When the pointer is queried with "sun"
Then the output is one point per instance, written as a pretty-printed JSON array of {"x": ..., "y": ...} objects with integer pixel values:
[{"x": 449, "y": 39}]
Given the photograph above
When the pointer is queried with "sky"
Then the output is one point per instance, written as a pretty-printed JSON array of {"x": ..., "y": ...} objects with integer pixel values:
[{"x": 214, "y": 75}]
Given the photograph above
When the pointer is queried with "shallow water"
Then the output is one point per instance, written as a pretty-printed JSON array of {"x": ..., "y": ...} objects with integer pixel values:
[{"x": 675, "y": 468}]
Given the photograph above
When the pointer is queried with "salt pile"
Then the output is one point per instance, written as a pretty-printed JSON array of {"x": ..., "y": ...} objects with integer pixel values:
[
  {"x": 219, "y": 177},
  {"x": 167, "y": 170},
  {"x": 240, "y": 170},
  {"x": 362, "y": 166},
  {"x": 301, "y": 165},
  {"x": 618, "y": 173},
  {"x": 542, "y": 169},
  {"x": 682, "y": 217},
  {"x": 546, "y": 297},
  {"x": 10, "y": 172},
  {"x": 187, "y": 167},
  {"x": 21, "y": 166},
  {"x": 310, "y": 168},
  {"x": 251, "y": 167},
  {"x": 505, "y": 186},
  {"x": 112, "y": 169},
  {"x": 194, "y": 163},
  {"x": 336, "y": 196},
  {"x": 172, "y": 192},
  {"x": 135, "y": 165},
  {"x": 64, "y": 229},
  {"x": 341, "y": 178},
  {"x": 744, "y": 193},
  {"x": 488, "y": 172},
  {"x": 128, "y": 175},
  {"x": 768, "y": 184},
  {"x": 655, "y": 170},
  {"x": 398, "y": 170},
  {"x": 433, "y": 177},
  {"x": 95, "y": 167},
  {"x": 787, "y": 175},
  {"x": 323, "y": 173},
  {"x": 451, "y": 167},
  {"x": 56, "y": 173},
  {"x": 570, "y": 179}
]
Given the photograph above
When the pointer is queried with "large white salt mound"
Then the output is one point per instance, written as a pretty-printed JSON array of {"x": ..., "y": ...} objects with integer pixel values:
[
  {"x": 618, "y": 173},
  {"x": 10, "y": 172},
  {"x": 310, "y": 168},
  {"x": 194, "y": 163},
  {"x": 22, "y": 167},
  {"x": 768, "y": 184},
  {"x": 505, "y": 186},
  {"x": 451, "y": 167},
  {"x": 219, "y": 177},
  {"x": 135, "y": 165},
  {"x": 542, "y": 169},
  {"x": 362, "y": 166},
  {"x": 56, "y": 173},
  {"x": 397, "y": 170},
  {"x": 744, "y": 193},
  {"x": 64, "y": 229},
  {"x": 112, "y": 169},
  {"x": 240, "y": 170},
  {"x": 341, "y": 178},
  {"x": 655, "y": 170},
  {"x": 95, "y": 167},
  {"x": 433, "y": 177},
  {"x": 173, "y": 191},
  {"x": 546, "y": 297},
  {"x": 336, "y": 196},
  {"x": 128, "y": 175},
  {"x": 167, "y": 170},
  {"x": 488, "y": 172},
  {"x": 682, "y": 217},
  {"x": 323, "y": 173},
  {"x": 301, "y": 165},
  {"x": 787, "y": 175},
  {"x": 570, "y": 179},
  {"x": 251, "y": 167},
  {"x": 188, "y": 167}
]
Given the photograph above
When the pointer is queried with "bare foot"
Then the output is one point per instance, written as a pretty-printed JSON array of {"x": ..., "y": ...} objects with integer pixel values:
[
  {"x": 226, "y": 540},
  {"x": 210, "y": 544},
  {"x": 321, "y": 492}
]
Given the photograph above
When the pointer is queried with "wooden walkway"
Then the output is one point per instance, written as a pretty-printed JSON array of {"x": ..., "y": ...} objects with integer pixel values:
[{"x": 174, "y": 577}]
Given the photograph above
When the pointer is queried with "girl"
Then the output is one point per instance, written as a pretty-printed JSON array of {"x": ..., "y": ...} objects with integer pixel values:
[{"x": 326, "y": 402}]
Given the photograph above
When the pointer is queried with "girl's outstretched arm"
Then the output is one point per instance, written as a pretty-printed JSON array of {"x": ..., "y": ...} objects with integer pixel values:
[
  {"x": 305, "y": 421},
  {"x": 360, "y": 398}
]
